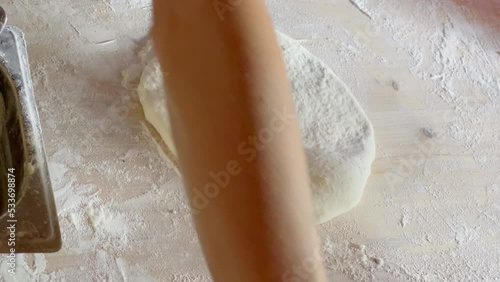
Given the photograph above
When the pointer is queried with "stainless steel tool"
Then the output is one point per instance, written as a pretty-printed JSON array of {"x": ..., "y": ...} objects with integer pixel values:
[{"x": 24, "y": 176}]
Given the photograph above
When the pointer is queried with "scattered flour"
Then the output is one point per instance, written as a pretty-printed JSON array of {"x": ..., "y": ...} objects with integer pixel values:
[{"x": 122, "y": 210}]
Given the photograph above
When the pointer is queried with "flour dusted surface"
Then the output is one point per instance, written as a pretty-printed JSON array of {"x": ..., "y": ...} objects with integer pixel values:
[{"x": 437, "y": 222}]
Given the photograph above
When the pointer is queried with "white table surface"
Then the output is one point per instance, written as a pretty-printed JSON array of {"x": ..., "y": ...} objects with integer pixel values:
[{"x": 431, "y": 209}]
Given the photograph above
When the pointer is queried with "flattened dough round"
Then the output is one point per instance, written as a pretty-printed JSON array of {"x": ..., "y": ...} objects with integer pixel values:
[{"x": 337, "y": 135}]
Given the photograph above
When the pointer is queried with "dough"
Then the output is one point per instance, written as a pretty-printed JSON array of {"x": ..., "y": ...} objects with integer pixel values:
[
  {"x": 151, "y": 93},
  {"x": 337, "y": 135}
]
